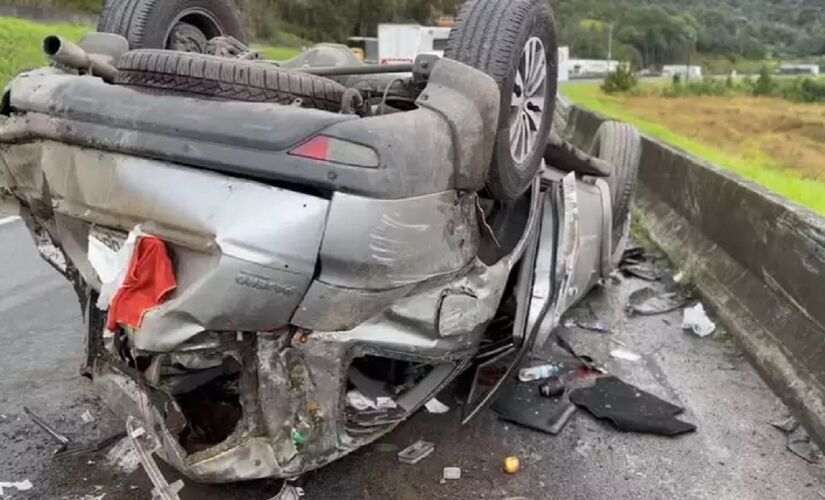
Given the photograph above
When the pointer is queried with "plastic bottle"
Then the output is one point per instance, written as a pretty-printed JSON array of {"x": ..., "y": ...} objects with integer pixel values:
[{"x": 538, "y": 372}]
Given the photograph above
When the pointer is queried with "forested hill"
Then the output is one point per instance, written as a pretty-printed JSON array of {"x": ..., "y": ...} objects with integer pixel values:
[
  {"x": 652, "y": 32},
  {"x": 646, "y": 32}
]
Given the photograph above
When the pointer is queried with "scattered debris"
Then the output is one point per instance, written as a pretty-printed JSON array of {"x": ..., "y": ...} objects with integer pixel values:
[
  {"x": 553, "y": 388},
  {"x": 519, "y": 404},
  {"x": 123, "y": 456},
  {"x": 87, "y": 417},
  {"x": 625, "y": 355},
  {"x": 62, "y": 440},
  {"x": 638, "y": 263},
  {"x": 679, "y": 277},
  {"x": 539, "y": 372},
  {"x": 360, "y": 402},
  {"x": 618, "y": 342},
  {"x": 289, "y": 492},
  {"x": 145, "y": 444},
  {"x": 512, "y": 465},
  {"x": 24, "y": 485},
  {"x": 631, "y": 409},
  {"x": 649, "y": 302},
  {"x": 799, "y": 442},
  {"x": 593, "y": 326},
  {"x": 586, "y": 361},
  {"x": 696, "y": 320},
  {"x": 384, "y": 403},
  {"x": 416, "y": 452},
  {"x": 645, "y": 271},
  {"x": 437, "y": 407},
  {"x": 452, "y": 473},
  {"x": 66, "y": 448},
  {"x": 633, "y": 255}
]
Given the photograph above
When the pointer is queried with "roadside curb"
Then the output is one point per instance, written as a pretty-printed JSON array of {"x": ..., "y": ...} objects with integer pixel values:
[{"x": 758, "y": 259}]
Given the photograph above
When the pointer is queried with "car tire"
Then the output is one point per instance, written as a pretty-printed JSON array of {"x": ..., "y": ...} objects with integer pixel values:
[
  {"x": 171, "y": 24},
  {"x": 620, "y": 145},
  {"x": 232, "y": 79},
  {"x": 503, "y": 38}
]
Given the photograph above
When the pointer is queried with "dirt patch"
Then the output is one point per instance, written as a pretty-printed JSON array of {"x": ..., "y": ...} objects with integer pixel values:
[{"x": 790, "y": 134}]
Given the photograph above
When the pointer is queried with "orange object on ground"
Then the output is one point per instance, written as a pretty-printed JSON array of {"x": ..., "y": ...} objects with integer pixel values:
[{"x": 148, "y": 281}]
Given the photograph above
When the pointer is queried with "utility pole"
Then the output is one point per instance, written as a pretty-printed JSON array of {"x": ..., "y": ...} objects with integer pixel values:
[{"x": 610, "y": 42}]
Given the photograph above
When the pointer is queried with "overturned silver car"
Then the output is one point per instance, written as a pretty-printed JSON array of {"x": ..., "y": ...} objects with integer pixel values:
[{"x": 251, "y": 242}]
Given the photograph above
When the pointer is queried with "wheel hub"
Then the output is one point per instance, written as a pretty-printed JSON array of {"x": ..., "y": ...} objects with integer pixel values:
[{"x": 527, "y": 102}]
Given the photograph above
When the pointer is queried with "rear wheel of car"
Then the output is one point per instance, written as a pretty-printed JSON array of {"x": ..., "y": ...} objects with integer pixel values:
[
  {"x": 222, "y": 78},
  {"x": 513, "y": 41},
  {"x": 620, "y": 145},
  {"x": 184, "y": 25}
]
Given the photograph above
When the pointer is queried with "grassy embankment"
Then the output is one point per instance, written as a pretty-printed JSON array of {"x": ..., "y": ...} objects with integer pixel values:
[{"x": 776, "y": 143}]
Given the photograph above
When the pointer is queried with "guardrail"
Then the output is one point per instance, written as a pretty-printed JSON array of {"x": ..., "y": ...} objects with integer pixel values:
[{"x": 757, "y": 258}]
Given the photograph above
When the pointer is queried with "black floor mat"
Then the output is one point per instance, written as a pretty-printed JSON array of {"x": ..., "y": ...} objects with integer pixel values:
[
  {"x": 630, "y": 409},
  {"x": 521, "y": 404}
]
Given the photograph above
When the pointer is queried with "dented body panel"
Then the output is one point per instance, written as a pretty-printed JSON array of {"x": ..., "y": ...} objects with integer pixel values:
[{"x": 298, "y": 281}]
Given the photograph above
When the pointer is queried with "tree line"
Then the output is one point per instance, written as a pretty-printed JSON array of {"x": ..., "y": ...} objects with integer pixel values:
[{"x": 644, "y": 32}]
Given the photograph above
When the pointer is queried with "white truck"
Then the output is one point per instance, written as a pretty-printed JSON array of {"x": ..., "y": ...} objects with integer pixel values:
[{"x": 400, "y": 43}]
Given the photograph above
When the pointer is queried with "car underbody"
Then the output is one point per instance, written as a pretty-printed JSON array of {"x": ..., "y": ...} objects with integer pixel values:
[{"x": 381, "y": 268}]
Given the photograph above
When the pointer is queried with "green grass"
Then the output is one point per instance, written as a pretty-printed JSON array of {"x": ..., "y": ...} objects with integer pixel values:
[
  {"x": 21, "y": 44},
  {"x": 760, "y": 168},
  {"x": 276, "y": 53}
]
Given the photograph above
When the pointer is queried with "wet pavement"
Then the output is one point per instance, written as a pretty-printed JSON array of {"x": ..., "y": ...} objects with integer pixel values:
[{"x": 735, "y": 454}]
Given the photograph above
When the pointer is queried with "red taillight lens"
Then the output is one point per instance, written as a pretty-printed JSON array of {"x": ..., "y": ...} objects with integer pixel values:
[
  {"x": 316, "y": 148},
  {"x": 335, "y": 150}
]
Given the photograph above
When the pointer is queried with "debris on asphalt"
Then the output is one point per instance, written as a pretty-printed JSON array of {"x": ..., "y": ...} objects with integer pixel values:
[
  {"x": 593, "y": 326},
  {"x": 512, "y": 465},
  {"x": 630, "y": 409},
  {"x": 452, "y": 473},
  {"x": 436, "y": 407},
  {"x": 62, "y": 440},
  {"x": 639, "y": 264},
  {"x": 646, "y": 271},
  {"x": 145, "y": 445},
  {"x": 86, "y": 417},
  {"x": 289, "y": 492},
  {"x": 696, "y": 320},
  {"x": 539, "y": 372},
  {"x": 520, "y": 404},
  {"x": 561, "y": 418},
  {"x": 123, "y": 456},
  {"x": 799, "y": 442},
  {"x": 649, "y": 302},
  {"x": 633, "y": 255},
  {"x": 416, "y": 452},
  {"x": 552, "y": 388},
  {"x": 586, "y": 361},
  {"x": 66, "y": 448},
  {"x": 625, "y": 355},
  {"x": 24, "y": 485}
]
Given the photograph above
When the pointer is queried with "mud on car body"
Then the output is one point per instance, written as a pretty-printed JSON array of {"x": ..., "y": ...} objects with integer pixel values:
[{"x": 326, "y": 227}]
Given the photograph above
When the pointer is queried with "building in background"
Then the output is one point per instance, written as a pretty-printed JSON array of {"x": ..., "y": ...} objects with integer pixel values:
[
  {"x": 799, "y": 69},
  {"x": 682, "y": 70}
]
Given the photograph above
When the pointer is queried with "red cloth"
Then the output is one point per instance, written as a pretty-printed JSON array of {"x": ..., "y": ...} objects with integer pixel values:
[{"x": 148, "y": 281}]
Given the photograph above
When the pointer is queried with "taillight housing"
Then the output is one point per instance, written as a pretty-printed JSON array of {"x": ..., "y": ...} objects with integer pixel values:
[{"x": 334, "y": 150}]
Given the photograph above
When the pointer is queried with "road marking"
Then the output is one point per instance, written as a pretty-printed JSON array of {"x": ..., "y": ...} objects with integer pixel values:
[{"x": 9, "y": 220}]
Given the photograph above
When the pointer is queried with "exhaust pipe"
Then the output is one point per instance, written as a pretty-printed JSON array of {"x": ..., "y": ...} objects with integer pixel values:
[{"x": 66, "y": 53}]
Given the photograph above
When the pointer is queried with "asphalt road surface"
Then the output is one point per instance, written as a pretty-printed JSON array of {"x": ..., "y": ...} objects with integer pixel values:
[{"x": 735, "y": 454}]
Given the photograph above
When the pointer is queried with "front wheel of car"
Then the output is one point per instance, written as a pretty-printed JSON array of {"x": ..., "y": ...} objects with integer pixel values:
[{"x": 514, "y": 42}]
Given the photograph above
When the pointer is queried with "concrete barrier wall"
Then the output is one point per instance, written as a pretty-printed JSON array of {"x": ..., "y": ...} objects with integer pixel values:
[{"x": 758, "y": 259}]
